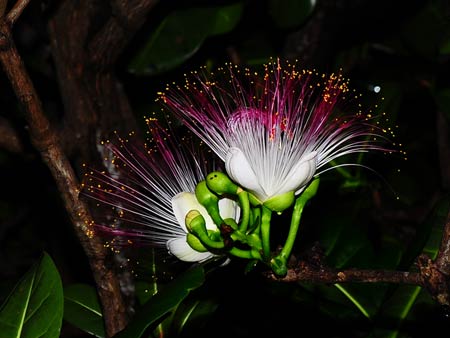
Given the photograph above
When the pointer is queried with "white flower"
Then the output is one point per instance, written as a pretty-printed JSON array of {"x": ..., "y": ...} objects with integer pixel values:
[{"x": 276, "y": 131}]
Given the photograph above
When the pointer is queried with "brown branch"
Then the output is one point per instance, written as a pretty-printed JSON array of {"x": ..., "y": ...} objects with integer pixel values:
[
  {"x": 313, "y": 270},
  {"x": 443, "y": 257},
  {"x": 309, "y": 272},
  {"x": 45, "y": 141},
  {"x": 3, "y": 4},
  {"x": 127, "y": 17},
  {"x": 95, "y": 103},
  {"x": 16, "y": 11},
  {"x": 443, "y": 141}
]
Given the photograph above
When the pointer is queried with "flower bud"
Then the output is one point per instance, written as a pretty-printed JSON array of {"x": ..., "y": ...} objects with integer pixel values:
[
  {"x": 195, "y": 223},
  {"x": 221, "y": 183}
]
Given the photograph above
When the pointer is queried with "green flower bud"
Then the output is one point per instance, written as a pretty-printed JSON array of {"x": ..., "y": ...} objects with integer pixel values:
[
  {"x": 209, "y": 200},
  {"x": 195, "y": 243},
  {"x": 221, "y": 183},
  {"x": 281, "y": 202},
  {"x": 195, "y": 223}
]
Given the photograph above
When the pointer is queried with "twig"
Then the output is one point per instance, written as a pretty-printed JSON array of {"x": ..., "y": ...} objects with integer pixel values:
[
  {"x": 16, "y": 11},
  {"x": 109, "y": 42},
  {"x": 443, "y": 257},
  {"x": 3, "y": 4},
  {"x": 306, "y": 272},
  {"x": 45, "y": 141},
  {"x": 428, "y": 276}
]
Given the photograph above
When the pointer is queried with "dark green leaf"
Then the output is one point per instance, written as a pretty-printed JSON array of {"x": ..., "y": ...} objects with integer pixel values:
[
  {"x": 144, "y": 291},
  {"x": 428, "y": 235},
  {"x": 342, "y": 239},
  {"x": 224, "y": 19},
  {"x": 82, "y": 309},
  {"x": 35, "y": 306},
  {"x": 398, "y": 306},
  {"x": 442, "y": 98},
  {"x": 192, "y": 314},
  {"x": 290, "y": 13},
  {"x": 445, "y": 47},
  {"x": 180, "y": 35},
  {"x": 366, "y": 298},
  {"x": 163, "y": 302},
  {"x": 424, "y": 33}
]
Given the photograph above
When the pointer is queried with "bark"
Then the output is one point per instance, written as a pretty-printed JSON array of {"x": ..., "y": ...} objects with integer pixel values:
[
  {"x": 47, "y": 143},
  {"x": 86, "y": 38}
]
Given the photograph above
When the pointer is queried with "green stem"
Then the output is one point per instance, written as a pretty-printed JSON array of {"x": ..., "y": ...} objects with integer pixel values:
[
  {"x": 245, "y": 209},
  {"x": 255, "y": 220},
  {"x": 204, "y": 238},
  {"x": 265, "y": 231},
  {"x": 251, "y": 240},
  {"x": 279, "y": 263},
  {"x": 247, "y": 254},
  {"x": 295, "y": 222}
]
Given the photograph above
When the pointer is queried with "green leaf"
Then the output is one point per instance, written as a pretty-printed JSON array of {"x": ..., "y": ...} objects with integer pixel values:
[
  {"x": 224, "y": 19},
  {"x": 180, "y": 35},
  {"x": 144, "y": 291},
  {"x": 82, "y": 309},
  {"x": 341, "y": 237},
  {"x": 425, "y": 32},
  {"x": 164, "y": 302},
  {"x": 35, "y": 306},
  {"x": 445, "y": 47},
  {"x": 192, "y": 314},
  {"x": 398, "y": 306},
  {"x": 442, "y": 98},
  {"x": 428, "y": 235},
  {"x": 290, "y": 13}
]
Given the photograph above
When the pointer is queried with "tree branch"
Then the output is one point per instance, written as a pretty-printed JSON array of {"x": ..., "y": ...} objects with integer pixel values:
[
  {"x": 45, "y": 141},
  {"x": 443, "y": 257},
  {"x": 16, "y": 11},
  {"x": 427, "y": 276},
  {"x": 126, "y": 18},
  {"x": 95, "y": 103},
  {"x": 306, "y": 272}
]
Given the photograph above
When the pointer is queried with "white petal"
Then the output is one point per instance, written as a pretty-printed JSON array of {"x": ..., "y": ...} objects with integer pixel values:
[
  {"x": 299, "y": 175},
  {"x": 229, "y": 209},
  {"x": 240, "y": 171},
  {"x": 179, "y": 248},
  {"x": 184, "y": 202}
]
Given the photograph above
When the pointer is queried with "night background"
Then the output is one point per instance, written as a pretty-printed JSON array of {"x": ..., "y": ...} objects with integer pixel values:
[{"x": 97, "y": 67}]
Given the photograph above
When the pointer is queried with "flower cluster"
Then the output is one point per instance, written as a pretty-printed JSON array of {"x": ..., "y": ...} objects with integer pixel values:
[{"x": 274, "y": 132}]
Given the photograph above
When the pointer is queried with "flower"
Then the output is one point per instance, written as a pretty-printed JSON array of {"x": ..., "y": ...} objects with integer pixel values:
[
  {"x": 277, "y": 131},
  {"x": 151, "y": 190}
]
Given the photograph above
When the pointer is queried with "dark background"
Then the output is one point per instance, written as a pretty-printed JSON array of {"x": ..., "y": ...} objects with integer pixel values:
[{"x": 401, "y": 46}]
